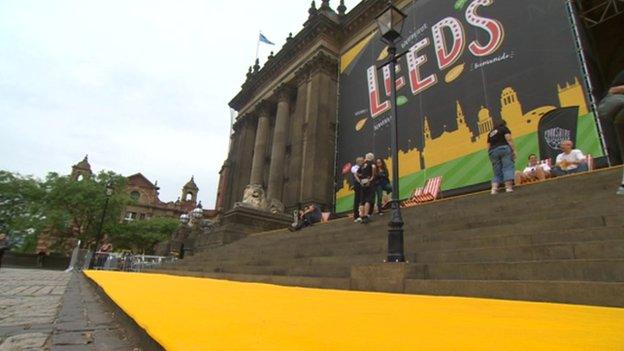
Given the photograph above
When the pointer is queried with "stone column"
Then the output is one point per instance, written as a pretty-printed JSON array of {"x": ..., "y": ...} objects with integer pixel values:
[
  {"x": 223, "y": 201},
  {"x": 262, "y": 139},
  {"x": 276, "y": 170},
  {"x": 292, "y": 196},
  {"x": 317, "y": 181},
  {"x": 240, "y": 159}
]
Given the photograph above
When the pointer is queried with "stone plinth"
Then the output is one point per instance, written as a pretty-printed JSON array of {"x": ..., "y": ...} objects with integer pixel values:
[
  {"x": 240, "y": 222},
  {"x": 385, "y": 277}
]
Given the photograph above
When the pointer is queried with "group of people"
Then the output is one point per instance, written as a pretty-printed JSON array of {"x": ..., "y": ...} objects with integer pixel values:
[
  {"x": 502, "y": 153},
  {"x": 501, "y": 149},
  {"x": 370, "y": 179}
]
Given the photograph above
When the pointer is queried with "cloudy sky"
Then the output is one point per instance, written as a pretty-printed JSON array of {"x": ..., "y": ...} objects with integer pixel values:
[{"x": 139, "y": 85}]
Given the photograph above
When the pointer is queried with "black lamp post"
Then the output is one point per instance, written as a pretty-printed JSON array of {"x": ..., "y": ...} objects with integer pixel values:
[
  {"x": 390, "y": 24},
  {"x": 109, "y": 193}
]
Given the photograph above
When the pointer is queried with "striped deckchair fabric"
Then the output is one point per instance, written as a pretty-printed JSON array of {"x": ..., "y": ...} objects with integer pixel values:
[
  {"x": 431, "y": 190},
  {"x": 411, "y": 201}
]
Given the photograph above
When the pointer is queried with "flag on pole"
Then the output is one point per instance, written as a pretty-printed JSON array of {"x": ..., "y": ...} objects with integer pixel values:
[{"x": 265, "y": 40}]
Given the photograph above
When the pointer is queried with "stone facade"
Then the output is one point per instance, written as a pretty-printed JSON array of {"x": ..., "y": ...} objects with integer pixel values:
[
  {"x": 147, "y": 203},
  {"x": 284, "y": 136}
]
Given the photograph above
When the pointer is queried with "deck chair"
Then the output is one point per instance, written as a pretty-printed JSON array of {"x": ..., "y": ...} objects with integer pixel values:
[
  {"x": 431, "y": 190},
  {"x": 411, "y": 201}
]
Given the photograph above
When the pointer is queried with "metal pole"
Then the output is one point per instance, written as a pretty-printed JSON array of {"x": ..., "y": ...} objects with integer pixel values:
[
  {"x": 99, "y": 234},
  {"x": 395, "y": 226}
]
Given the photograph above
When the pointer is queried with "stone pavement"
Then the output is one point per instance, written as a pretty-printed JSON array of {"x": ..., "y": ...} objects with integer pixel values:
[{"x": 51, "y": 310}]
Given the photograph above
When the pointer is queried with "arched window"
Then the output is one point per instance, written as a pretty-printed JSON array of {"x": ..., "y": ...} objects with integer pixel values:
[
  {"x": 79, "y": 177},
  {"x": 189, "y": 196},
  {"x": 135, "y": 195}
]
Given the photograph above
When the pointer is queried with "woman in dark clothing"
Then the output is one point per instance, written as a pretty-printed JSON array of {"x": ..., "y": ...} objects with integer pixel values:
[
  {"x": 382, "y": 182},
  {"x": 365, "y": 176},
  {"x": 502, "y": 155}
]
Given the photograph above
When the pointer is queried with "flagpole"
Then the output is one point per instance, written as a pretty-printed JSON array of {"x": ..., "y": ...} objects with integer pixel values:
[{"x": 258, "y": 45}]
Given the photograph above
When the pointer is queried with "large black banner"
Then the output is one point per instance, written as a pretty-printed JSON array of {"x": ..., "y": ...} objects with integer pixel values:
[
  {"x": 554, "y": 127},
  {"x": 467, "y": 64}
]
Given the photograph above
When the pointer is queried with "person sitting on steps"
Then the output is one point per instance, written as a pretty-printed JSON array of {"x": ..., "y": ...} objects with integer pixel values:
[
  {"x": 570, "y": 161},
  {"x": 533, "y": 171},
  {"x": 308, "y": 216}
]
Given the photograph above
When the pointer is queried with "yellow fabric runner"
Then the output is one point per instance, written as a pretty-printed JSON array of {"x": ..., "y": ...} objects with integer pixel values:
[{"x": 183, "y": 313}]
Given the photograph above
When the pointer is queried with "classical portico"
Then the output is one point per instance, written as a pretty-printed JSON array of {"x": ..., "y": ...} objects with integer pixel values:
[{"x": 284, "y": 136}]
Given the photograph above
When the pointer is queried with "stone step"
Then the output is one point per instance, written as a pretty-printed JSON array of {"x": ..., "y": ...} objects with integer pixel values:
[
  {"x": 376, "y": 250},
  {"x": 312, "y": 282},
  {"x": 587, "y": 293},
  {"x": 606, "y": 270},
  {"x": 551, "y": 251},
  {"x": 331, "y": 270},
  {"x": 557, "y": 253},
  {"x": 323, "y": 242},
  {"x": 577, "y": 292},
  {"x": 536, "y": 237},
  {"x": 560, "y": 241}
]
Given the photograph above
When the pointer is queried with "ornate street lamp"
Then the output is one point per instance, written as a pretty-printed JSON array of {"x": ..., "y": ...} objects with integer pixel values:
[
  {"x": 390, "y": 24},
  {"x": 109, "y": 192},
  {"x": 184, "y": 218},
  {"x": 197, "y": 213}
]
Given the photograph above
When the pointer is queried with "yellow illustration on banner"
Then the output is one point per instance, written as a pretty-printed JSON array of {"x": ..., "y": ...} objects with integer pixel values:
[{"x": 462, "y": 141}]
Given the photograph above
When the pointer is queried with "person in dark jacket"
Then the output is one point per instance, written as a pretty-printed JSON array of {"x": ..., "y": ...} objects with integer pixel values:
[
  {"x": 611, "y": 112},
  {"x": 382, "y": 183},
  {"x": 308, "y": 216},
  {"x": 4, "y": 245},
  {"x": 502, "y": 155},
  {"x": 365, "y": 176}
]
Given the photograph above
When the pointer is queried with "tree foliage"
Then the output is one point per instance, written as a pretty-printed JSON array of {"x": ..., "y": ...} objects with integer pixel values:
[
  {"x": 68, "y": 209},
  {"x": 59, "y": 206},
  {"x": 75, "y": 208},
  {"x": 142, "y": 236},
  {"x": 22, "y": 212}
]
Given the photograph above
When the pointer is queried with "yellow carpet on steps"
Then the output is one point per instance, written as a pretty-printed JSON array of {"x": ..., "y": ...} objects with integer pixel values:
[{"x": 184, "y": 313}]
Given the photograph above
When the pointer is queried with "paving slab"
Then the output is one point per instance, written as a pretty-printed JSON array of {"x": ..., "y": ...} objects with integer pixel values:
[{"x": 51, "y": 310}]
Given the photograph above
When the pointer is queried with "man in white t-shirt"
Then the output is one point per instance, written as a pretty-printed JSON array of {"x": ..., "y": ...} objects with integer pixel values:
[
  {"x": 570, "y": 160},
  {"x": 533, "y": 171},
  {"x": 356, "y": 189}
]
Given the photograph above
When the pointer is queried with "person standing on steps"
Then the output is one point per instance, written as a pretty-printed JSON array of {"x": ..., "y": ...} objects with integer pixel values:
[
  {"x": 4, "y": 245},
  {"x": 356, "y": 189},
  {"x": 382, "y": 183},
  {"x": 365, "y": 176},
  {"x": 611, "y": 112},
  {"x": 502, "y": 156}
]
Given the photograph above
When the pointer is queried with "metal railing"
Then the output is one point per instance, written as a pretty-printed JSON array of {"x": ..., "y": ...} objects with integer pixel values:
[{"x": 116, "y": 261}]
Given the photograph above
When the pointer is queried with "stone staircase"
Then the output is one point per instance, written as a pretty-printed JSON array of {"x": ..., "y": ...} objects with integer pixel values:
[{"x": 561, "y": 240}]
